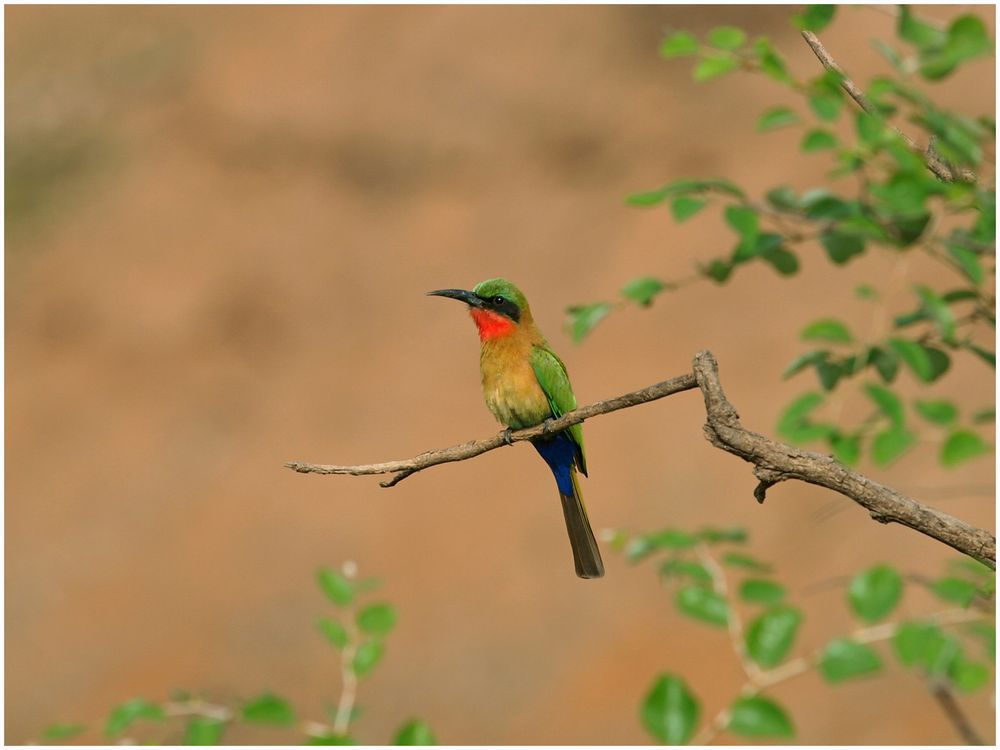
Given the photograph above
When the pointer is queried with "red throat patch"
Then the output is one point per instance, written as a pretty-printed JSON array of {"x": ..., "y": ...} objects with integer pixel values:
[{"x": 491, "y": 325}]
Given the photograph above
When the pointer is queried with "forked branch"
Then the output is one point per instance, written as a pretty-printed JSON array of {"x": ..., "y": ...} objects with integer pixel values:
[{"x": 773, "y": 461}]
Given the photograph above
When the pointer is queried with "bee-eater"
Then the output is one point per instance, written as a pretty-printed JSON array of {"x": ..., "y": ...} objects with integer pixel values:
[{"x": 525, "y": 383}]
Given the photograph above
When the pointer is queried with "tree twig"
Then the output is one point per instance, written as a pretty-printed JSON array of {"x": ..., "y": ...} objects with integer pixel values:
[
  {"x": 773, "y": 462},
  {"x": 946, "y": 699},
  {"x": 935, "y": 164},
  {"x": 733, "y": 620}
]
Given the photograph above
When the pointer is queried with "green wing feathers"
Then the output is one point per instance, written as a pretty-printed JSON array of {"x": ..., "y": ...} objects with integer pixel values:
[{"x": 551, "y": 374}]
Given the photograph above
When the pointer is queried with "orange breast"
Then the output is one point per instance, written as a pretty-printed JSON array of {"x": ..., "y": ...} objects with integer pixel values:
[{"x": 510, "y": 386}]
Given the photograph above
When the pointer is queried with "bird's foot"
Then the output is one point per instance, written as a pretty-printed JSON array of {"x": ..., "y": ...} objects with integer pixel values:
[
  {"x": 547, "y": 425},
  {"x": 507, "y": 436}
]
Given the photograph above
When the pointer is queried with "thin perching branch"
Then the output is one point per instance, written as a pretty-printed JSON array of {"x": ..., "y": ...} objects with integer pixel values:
[
  {"x": 773, "y": 462},
  {"x": 935, "y": 164},
  {"x": 404, "y": 468}
]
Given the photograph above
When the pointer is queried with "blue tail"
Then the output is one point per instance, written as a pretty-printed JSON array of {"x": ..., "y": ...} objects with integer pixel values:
[{"x": 560, "y": 453}]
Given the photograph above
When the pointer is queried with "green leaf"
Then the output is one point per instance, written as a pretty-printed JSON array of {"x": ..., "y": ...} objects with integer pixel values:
[
  {"x": 782, "y": 198},
  {"x": 703, "y": 604},
  {"x": 827, "y": 329},
  {"x": 987, "y": 356},
  {"x": 333, "y": 631},
  {"x": 366, "y": 657},
  {"x": 875, "y": 592},
  {"x": 938, "y": 412},
  {"x": 987, "y": 632},
  {"x": 770, "y": 635},
  {"x": 966, "y": 38},
  {"x": 969, "y": 566},
  {"x": 377, "y": 619},
  {"x": 939, "y": 311},
  {"x": 815, "y": 17},
  {"x": 761, "y": 591},
  {"x": 925, "y": 362},
  {"x": 336, "y": 587},
  {"x": 794, "y": 424},
  {"x": 917, "y": 32},
  {"x": 643, "y": 545},
  {"x": 956, "y": 590},
  {"x": 670, "y": 711},
  {"x": 961, "y": 446},
  {"x": 969, "y": 34},
  {"x": 737, "y": 560},
  {"x": 583, "y": 318},
  {"x": 888, "y": 402},
  {"x": 684, "y": 207},
  {"x": 825, "y": 105},
  {"x": 846, "y": 448},
  {"x": 732, "y": 534},
  {"x": 917, "y": 643},
  {"x": 743, "y": 220},
  {"x": 988, "y": 414},
  {"x": 844, "y": 658},
  {"x": 718, "y": 270},
  {"x": 415, "y": 732},
  {"x": 674, "y": 539},
  {"x": 829, "y": 373},
  {"x": 269, "y": 709},
  {"x": 841, "y": 247},
  {"x": 871, "y": 130},
  {"x": 62, "y": 731},
  {"x": 714, "y": 66},
  {"x": 966, "y": 675},
  {"x": 647, "y": 198},
  {"x": 890, "y": 444},
  {"x": 125, "y": 714},
  {"x": 727, "y": 37},
  {"x": 886, "y": 363},
  {"x": 679, "y": 44},
  {"x": 803, "y": 361},
  {"x": 643, "y": 290},
  {"x": 782, "y": 260},
  {"x": 818, "y": 140},
  {"x": 201, "y": 730},
  {"x": 967, "y": 261},
  {"x": 677, "y": 567},
  {"x": 776, "y": 117},
  {"x": 758, "y": 716},
  {"x": 801, "y": 407},
  {"x": 821, "y": 204},
  {"x": 771, "y": 63}
]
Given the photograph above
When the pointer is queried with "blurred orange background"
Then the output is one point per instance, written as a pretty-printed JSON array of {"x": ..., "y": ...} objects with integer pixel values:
[{"x": 220, "y": 225}]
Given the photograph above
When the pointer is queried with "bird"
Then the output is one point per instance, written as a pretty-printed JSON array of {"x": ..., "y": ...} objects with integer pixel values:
[{"x": 524, "y": 384}]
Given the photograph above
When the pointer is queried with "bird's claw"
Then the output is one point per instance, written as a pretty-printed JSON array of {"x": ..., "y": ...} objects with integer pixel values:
[
  {"x": 507, "y": 436},
  {"x": 547, "y": 425}
]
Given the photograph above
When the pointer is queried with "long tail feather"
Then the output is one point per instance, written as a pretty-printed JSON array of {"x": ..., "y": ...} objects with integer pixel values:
[
  {"x": 586, "y": 555},
  {"x": 560, "y": 453}
]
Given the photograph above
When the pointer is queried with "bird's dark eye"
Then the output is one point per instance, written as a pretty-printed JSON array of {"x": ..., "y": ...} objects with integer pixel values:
[{"x": 498, "y": 300}]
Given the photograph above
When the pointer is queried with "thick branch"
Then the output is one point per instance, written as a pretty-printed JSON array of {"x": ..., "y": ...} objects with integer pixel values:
[
  {"x": 773, "y": 462},
  {"x": 935, "y": 164}
]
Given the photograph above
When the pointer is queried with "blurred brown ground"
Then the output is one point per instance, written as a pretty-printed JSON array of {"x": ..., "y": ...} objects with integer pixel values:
[{"x": 224, "y": 222}]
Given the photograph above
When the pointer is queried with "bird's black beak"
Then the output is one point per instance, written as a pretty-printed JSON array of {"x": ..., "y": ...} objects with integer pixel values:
[{"x": 462, "y": 295}]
